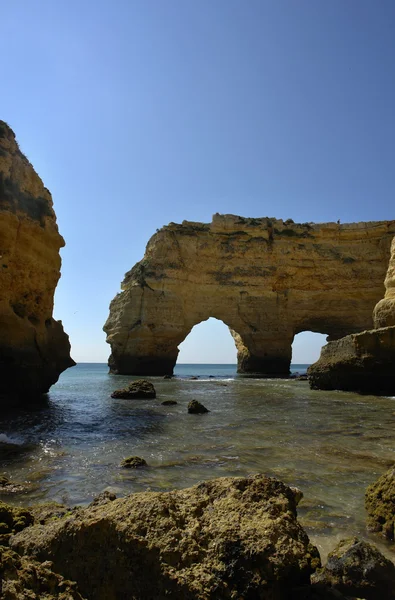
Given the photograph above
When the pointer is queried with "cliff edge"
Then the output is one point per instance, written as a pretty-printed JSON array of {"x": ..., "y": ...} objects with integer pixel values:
[{"x": 34, "y": 349}]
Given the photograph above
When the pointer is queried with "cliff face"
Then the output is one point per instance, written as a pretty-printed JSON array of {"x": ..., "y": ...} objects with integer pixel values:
[
  {"x": 34, "y": 349},
  {"x": 384, "y": 312},
  {"x": 266, "y": 279}
]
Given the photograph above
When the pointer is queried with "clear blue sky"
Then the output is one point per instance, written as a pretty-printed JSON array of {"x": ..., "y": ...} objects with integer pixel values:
[{"x": 136, "y": 113}]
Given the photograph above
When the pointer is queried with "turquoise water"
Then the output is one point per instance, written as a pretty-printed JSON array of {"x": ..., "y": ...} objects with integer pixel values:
[{"x": 329, "y": 444}]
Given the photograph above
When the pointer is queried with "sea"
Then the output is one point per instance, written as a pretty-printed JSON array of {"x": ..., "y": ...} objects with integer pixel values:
[{"x": 331, "y": 445}]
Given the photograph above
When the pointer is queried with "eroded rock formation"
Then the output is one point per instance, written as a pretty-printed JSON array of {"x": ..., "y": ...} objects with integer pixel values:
[
  {"x": 363, "y": 362},
  {"x": 227, "y": 538},
  {"x": 384, "y": 311},
  {"x": 34, "y": 349},
  {"x": 266, "y": 279}
]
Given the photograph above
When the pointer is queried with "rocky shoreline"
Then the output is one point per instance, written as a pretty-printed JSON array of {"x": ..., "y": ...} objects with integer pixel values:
[{"x": 226, "y": 538}]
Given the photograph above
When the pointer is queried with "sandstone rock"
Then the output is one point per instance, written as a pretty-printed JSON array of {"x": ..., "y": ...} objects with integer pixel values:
[
  {"x": 266, "y": 279},
  {"x": 228, "y": 538},
  {"x": 136, "y": 390},
  {"x": 362, "y": 362},
  {"x": 384, "y": 312},
  {"x": 357, "y": 568},
  {"x": 22, "y": 578},
  {"x": 380, "y": 505},
  {"x": 196, "y": 408},
  {"x": 133, "y": 462},
  {"x": 34, "y": 349}
]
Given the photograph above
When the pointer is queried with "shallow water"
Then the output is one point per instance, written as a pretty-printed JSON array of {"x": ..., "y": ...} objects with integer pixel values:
[{"x": 331, "y": 445}]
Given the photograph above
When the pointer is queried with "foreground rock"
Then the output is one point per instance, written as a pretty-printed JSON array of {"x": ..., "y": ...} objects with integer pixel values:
[
  {"x": 197, "y": 408},
  {"x": 23, "y": 578},
  {"x": 228, "y": 538},
  {"x": 362, "y": 362},
  {"x": 265, "y": 278},
  {"x": 380, "y": 505},
  {"x": 357, "y": 568},
  {"x": 34, "y": 349},
  {"x": 139, "y": 389}
]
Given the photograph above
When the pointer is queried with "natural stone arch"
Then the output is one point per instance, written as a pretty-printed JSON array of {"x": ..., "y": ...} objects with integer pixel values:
[{"x": 266, "y": 279}]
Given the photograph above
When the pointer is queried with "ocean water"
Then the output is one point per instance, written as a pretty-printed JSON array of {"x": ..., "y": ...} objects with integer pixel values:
[{"x": 331, "y": 445}]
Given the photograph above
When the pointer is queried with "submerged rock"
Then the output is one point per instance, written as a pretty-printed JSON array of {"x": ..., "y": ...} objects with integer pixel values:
[
  {"x": 356, "y": 568},
  {"x": 227, "y": 538},
  {"x": 169, "y": 402},
  {"x": 34, "y": 349},
  {"x": 136, "y": 389},
  {"x": 380, "y": 505},
  {"x": 133, "y": 462},
  {"x": 196, "y": 408}
]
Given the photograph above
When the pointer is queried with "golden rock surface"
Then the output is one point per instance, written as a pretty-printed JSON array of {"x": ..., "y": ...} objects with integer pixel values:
[
  {"x": 265, "y": 278},
  {"x": 34, "y": 349}
]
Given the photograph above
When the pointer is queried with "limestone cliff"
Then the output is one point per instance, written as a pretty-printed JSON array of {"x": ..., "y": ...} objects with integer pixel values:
[
  {"x": 384, "y": 312},
  {"x": 266, "y": 279},
  {"x": 34, "y": 349}
]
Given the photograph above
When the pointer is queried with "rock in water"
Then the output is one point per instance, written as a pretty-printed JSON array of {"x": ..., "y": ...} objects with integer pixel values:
[
  {"x": 361, "y": 362},
  {"x": 265, "y": 278},
  {"x": 135, "y": 390},
  {"x": 356, "y": 568},
  {"x": 196, "y": 408},
  {"x": 34, "y": 349},
  {"x": 227, "y": 538},
  {"x": 133, "y": 462},
  {"x": 380, "y": 505}
]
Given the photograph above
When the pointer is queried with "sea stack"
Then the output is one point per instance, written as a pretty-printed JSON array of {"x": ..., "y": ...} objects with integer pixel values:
[
  {"x": 34, "y": 349},
  {"x": 265, "y": 278}
]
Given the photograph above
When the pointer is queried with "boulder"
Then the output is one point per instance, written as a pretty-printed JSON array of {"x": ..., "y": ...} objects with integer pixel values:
[
  {"x": 141, "y": 388},
  {"x": 196, "y": 408},
  {"x": 229, "y": 538},
  {"x": 362, "y": 362},
  {"x": 34, "y": 349},
  {"x": 133, "y": 462},
  {"x": 357, "y": 568},
  {"x": 380, "y": 505}
]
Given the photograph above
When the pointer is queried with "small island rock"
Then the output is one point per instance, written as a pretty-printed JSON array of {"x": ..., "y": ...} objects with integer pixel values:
[
  {"x": 141, "y": 388},
  {"x": 196, "y": 408},
  {"x": 133, "y": 462}
]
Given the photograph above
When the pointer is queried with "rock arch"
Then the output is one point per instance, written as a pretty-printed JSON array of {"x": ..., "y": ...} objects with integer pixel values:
[{"x": 266, "y": 279}]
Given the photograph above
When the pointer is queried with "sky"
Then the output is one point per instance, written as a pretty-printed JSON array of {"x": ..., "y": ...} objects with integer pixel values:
[{"x": 136, "y": 113}]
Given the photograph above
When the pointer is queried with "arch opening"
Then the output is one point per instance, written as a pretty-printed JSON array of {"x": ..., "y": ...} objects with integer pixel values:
[
  {"x": 208, "y": 342},
  {"x": 306, "y": 349}
]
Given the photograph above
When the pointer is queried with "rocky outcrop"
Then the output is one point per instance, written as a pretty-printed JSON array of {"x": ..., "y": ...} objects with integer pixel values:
[
  {"x": 139, "y": 389},
  {"x": 34, "y": 349},
  {"x": 380, "y": 505},
  {"x": 265, "y": 278},
  {"x": 364, "y": 362},
  {"x": 227, "y": 538},
  {"x": 357, "y": 569},
  {"x": 384, "y": 312}
]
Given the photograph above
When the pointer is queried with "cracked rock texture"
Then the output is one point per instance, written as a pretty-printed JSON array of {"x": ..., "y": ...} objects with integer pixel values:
[
  {"x": 34, "y": 349},
  {"x": 229, "y": 538},
  {"x": 265, "y": 278}
]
